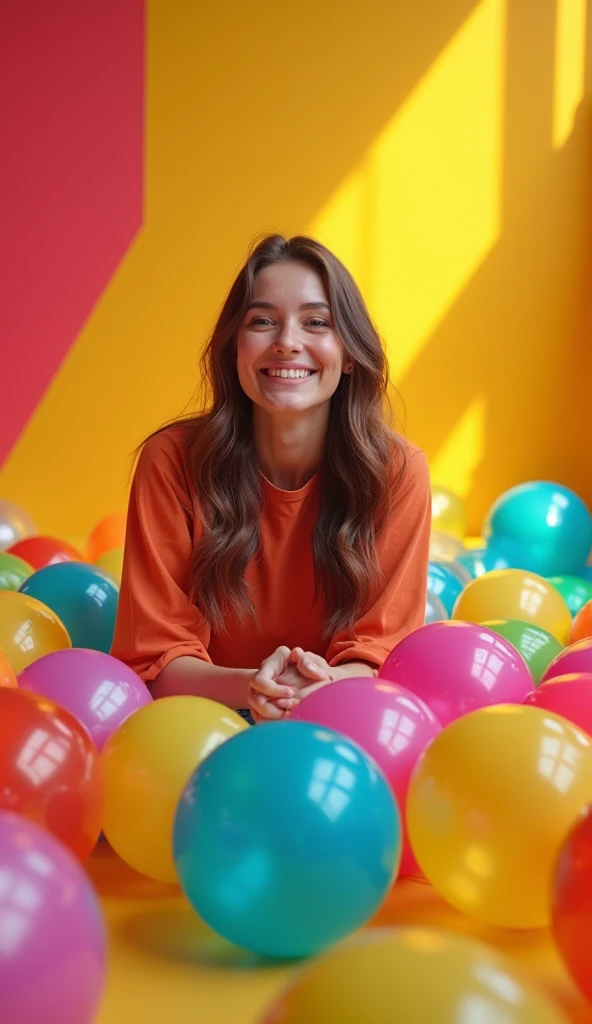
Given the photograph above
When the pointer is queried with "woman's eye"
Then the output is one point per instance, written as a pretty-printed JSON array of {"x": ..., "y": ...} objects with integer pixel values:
[
  {"x": 317, "y": 322},
  {"x": 259, "y": 321}
]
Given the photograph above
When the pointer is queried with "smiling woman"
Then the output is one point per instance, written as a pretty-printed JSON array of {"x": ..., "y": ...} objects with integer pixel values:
[{"x": 278, "y": 540}]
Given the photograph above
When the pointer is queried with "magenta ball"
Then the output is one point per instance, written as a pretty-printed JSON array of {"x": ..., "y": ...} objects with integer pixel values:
[
  {"x": 391, "y": 724},
  {"x": 576, "y": 658},
  {"x": 569, "y": 695},
  {"x": 52, "y": 937},
  {"x": 457, "y": 667},
  {"x": 100, "y": 691}
]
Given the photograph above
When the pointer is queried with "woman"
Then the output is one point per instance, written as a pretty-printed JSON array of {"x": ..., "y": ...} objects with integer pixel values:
[{"x": 279, "y": 540}]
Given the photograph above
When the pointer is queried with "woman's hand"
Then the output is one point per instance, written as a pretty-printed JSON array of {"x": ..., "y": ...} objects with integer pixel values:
[{"x": 283, "y": 679}]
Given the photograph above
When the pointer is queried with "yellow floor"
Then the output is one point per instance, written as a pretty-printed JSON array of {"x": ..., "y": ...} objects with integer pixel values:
[{"x": 165, "y": 965}]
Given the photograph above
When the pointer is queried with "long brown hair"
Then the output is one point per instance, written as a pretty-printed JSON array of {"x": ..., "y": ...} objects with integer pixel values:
[{"x": 356, "y": 479}]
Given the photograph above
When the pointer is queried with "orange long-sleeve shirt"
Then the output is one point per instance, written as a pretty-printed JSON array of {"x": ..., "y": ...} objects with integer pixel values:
[{"x": 157, "y": 621}]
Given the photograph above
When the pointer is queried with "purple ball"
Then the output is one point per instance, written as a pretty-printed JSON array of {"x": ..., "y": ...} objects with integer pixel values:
[
  {"x": 457, "y": 667},
  {"x": 100, "y": 691},
  {"x": 52, "y": 936}
]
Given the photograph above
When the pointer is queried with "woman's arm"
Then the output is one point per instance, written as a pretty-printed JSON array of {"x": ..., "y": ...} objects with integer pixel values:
[{"x": 229, "y": 686}]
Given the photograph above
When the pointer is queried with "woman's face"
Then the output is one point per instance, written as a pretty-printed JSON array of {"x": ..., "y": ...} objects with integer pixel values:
[{"x": 289, "y": 357}]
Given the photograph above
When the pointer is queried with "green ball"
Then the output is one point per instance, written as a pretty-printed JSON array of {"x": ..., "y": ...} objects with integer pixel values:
[
  {"x": 575, "y": 591},
  {"x": 13, "y": 571},
  {"x": 537, "y": 647}
]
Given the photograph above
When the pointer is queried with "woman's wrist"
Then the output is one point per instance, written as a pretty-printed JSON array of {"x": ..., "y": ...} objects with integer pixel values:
[{"x": 352, "y": 669}]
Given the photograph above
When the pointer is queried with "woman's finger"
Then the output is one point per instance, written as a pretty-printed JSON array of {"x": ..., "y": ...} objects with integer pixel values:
[
  {"x": 267, "y": 709},
  {"x": 311, "y": 665}
]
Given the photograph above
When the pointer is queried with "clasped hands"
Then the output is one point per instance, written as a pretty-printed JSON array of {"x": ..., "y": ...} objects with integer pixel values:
[{"x": 284, "y": 679}]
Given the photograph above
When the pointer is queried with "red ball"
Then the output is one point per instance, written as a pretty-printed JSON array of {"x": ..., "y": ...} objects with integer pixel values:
[
  {"x": 50, "y": 770},
  {"x": 572, "y": 902},
  {"x": 42, "y": 551}
]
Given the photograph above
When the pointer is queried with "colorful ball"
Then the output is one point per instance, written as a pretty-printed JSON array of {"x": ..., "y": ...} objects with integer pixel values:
[
  {"x": 536, "y": 645},
  {"x": 42, "y": 551},
  {"x": 571, "y": 911},
  {"x": 7, "y": 675},
  {"x": 576, "y": 658},
  {"x": 435, "y": 610},
  {"x": 108, "y": 534},
  {"x": 581, "y": 627},
  {"x": 389, "y": 722},
  {"x": 100, "y": 691},
  {"x": 111, "y": 562},
  {"x": 569, "y": 695},
  {"x": 15, "y": 524},
  {"x": 444, "y": 547},
  {"x": 489, "y": 805},
  {"x": 28, "y": 629},
  {"x": 542, "y": 527},
  {"x": 575, "y": 591},
  {"x": 53, "y": 957},
  {"x": 146, "y": 764},
  {"x": 49, "y": 769},
  {"x": 514, "y": 594},
  {"x": 411, "y": 975},
  {"x": 444, "y": 584},
  {"x": 286, "y": 839},
  {"x": 13, "y": 571},
  {"x": 456, "y": 667},
  {"x": 481, "y": 560},
  {"x": 449, "y": 512},
  {"x": 85, "y": 598}
]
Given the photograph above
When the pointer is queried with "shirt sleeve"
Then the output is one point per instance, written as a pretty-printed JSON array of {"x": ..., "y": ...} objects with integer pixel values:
[
  {"x": 403, "y": 553},
  {"x": 156, "y": 620}
]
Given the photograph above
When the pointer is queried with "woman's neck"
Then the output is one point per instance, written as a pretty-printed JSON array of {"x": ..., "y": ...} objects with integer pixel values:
[{"x": 290, "y": 450}]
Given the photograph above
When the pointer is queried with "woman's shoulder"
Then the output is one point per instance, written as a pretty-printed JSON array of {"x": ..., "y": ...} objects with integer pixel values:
[
  {"x": 408, "y": 462},
  {"x": 166, "y": 452}
]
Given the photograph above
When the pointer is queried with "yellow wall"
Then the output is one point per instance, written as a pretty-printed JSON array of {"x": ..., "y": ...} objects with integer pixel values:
[{"x": 443, "y": 151}]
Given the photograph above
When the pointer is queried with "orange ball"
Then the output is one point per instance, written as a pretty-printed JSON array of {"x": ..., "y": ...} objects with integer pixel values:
[
  {"x": 108, "y": 534},
  {"x": 581, "y": 626},
  {"x": 7, "y": 676}
]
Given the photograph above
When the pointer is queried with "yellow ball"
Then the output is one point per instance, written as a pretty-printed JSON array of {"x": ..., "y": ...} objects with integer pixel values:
[
  {"x": 515, "y": 594},
  {"x": 28, "y": 629},
  {"x": 449, "y": 513},
  {"x": 111, "y": 562},
  {"x": 444, "y": 547},
  {"x": 147, "y": 763},
  {"x": 489, "y": 806},
  {"x": 411, "y": 976}
]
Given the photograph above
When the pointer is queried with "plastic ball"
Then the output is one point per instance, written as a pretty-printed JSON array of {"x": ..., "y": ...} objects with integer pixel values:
[
  {"x": 449, "y": 512},
  {"x": 569, "y": 695},
  {"x": 489, "y": 805},
  {"x": 7, "y": 674},
  {"x": 514, "y": 594},
  {"x": 575, "y": 591},
  {"x": 481, "y": 560},
  {"x": 581, "y": 627},
  {"x": 571, "y": 911},
  {"x": 542, "y": 527},
  {"x": 111, "y": 562},
  {"x": 42, "y": 551},
  {"x": 444, "y": 584},
  {"x": 100, "y": 691},
  {"x": 435, "y": 610},
  {"x": 28, "y": 629},
  {"x": 13, "y": 571},
  {"x": 411, "y": 975},
  {"x": 536, "y": 645},
  {"x": 85, "y": 599},
  {"x": 15, "y": 524},
  {"x": 575, "y": 658},
  {"x": 444, "y": 547},
  {"x": 146, "y": 764},
  {"x": 456, "y": 667},
  {"x": 49, "y": 769},
  {"x": 389, "y": 722},
  {"x": 108, "y": 534},
  {"x": 54, "y": 949},
  {"x": 287, "y": 861}
]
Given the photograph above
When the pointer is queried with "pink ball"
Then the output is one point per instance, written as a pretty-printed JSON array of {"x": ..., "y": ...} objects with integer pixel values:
[
  {"x": 457, "y": 667},
  {"x": 392, "y": 725},
  {"x": 575, "y": 658},
  {"x": 53, "y": 950},
  {"x": 100, "y": 691},
  {"x": 569, "y": 695}
]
